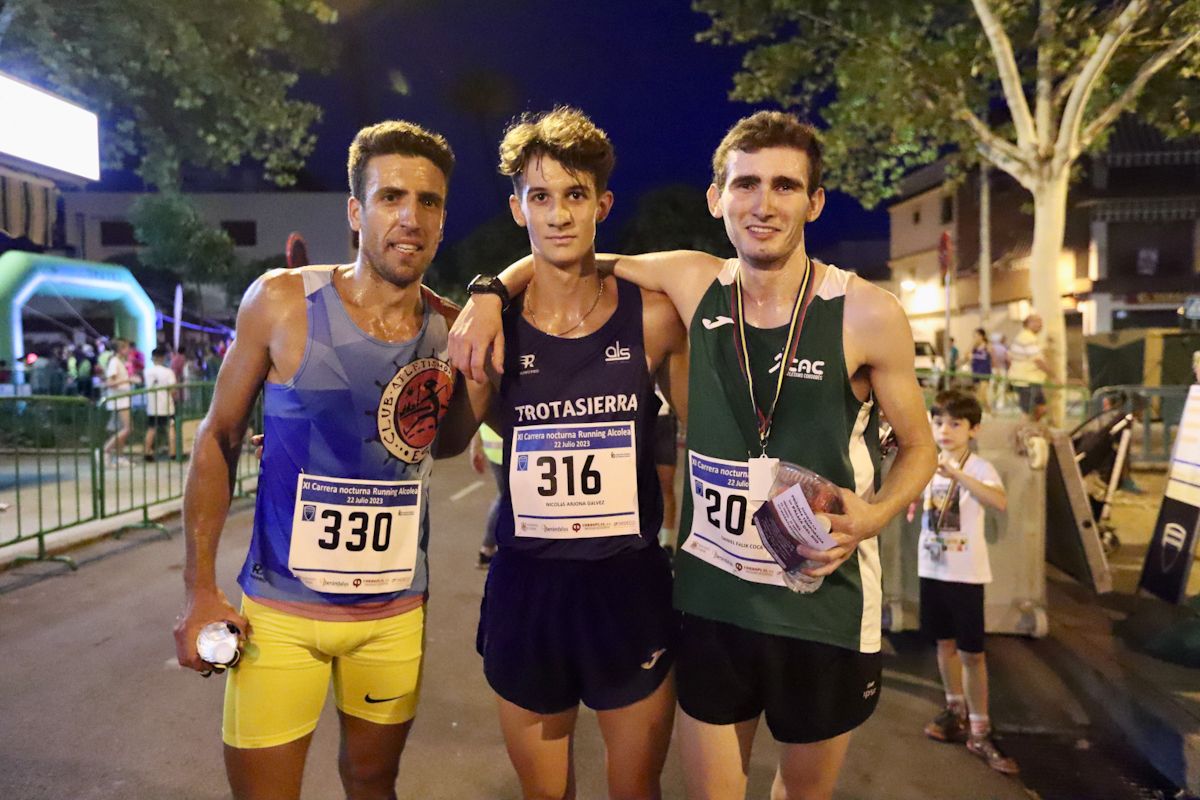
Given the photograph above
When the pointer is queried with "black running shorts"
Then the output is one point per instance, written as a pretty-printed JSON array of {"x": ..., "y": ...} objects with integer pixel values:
[
  {"x": 666, "y": 430},
  {"x": 951, "y": 610},
  {"x": 555, "y": 632},
  {"x": 809, "y": 691}
]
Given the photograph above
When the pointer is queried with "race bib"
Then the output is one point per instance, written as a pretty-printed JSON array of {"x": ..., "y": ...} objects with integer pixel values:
[
  {"x": 721, "y": 532},
  {"x": 355, "y": 536},
  {"x": 574, "y": 481}
]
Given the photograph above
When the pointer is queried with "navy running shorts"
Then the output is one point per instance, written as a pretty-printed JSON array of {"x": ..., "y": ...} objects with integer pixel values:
[
  {"x": 557, "y": 632},
  {"x": 809, "y": 691},
  {"x": 666, "y": 430}
]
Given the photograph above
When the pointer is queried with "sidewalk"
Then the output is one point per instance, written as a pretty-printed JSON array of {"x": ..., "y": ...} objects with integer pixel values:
[{"x": 1155, "y": 704}]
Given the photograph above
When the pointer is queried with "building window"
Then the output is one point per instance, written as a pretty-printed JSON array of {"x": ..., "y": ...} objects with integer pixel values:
[
  {"x": 917, "y": 217},
  {"x": 117, "y": 233},
  {"x": 243, "y": 232},
  {"x": 947, "y": 209}
]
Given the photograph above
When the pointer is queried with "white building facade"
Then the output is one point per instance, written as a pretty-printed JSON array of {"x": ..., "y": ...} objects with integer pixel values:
[{"x": 97, "y": 224}]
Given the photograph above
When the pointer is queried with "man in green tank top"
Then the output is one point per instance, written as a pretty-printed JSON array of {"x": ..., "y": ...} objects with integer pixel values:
[{"x": 790, "y": 359}]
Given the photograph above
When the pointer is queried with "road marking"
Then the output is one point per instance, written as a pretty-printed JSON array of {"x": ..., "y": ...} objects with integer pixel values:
[{"x": 466, "y": 490}]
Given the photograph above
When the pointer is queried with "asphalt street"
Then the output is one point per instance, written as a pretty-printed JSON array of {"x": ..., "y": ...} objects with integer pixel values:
[{"x": 92, "y": 705}]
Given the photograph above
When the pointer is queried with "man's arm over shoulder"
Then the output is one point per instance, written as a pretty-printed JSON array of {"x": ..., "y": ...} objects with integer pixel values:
[
  {"x": 667, "y": 338},
  {"x": 682, "y": 275},
  {"x": 469, "y": 403}
]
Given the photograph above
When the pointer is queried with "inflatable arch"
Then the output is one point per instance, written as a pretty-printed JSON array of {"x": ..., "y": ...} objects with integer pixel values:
[{"x": 23, "y": 275}]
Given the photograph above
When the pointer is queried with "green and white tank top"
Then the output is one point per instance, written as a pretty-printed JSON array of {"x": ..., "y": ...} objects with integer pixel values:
[{"x": 722, "y": 572}]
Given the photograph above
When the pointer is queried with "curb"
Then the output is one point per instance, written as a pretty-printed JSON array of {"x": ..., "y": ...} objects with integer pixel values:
[
  {"x": 1154, "y": 704},
  {"x": 60, "y": 542}
]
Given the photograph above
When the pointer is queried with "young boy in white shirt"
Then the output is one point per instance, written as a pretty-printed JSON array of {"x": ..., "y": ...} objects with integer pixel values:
[{"x": 953, "y": 565}]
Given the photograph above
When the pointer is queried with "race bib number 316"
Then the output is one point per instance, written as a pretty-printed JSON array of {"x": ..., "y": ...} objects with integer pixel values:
[
  {"x": 355, "y": 536},
  {"x": 574, "y": 481}
]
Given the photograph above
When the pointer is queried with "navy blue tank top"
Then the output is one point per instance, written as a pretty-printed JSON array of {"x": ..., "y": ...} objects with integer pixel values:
[{"x": 577, "y": 416}]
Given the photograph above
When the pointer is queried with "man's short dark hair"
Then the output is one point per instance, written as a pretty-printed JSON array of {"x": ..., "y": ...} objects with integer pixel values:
[
  {"x": 957, "y": 404},
  {"x": 770, "y": 129},
  {"x": 396, "y": 137},
  {"x": 565, "y": 134},
  {"x": 159, "y": 352}
]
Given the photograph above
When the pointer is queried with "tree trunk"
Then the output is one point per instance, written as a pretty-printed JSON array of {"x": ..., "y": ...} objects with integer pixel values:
[{"x": 1049, "y": 227}]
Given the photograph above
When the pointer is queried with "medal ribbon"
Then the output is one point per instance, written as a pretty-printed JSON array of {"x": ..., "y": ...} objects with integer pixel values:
[
  {"x": 799, "y": 311},
  {"x": 950, "y": 494}
]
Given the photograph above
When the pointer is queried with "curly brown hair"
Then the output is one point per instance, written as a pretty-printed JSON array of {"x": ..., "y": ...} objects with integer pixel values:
[{"x": 565, "y": 134}]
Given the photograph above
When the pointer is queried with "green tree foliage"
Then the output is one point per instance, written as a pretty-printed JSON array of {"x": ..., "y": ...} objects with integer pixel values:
[
  {"x": 674, "y": 217},
  {"x": 898, "y": 84},
  {"x": 178, "y": 81},
  {"x": 902, "y": 83},
  {"x": 175, "y": 239}
]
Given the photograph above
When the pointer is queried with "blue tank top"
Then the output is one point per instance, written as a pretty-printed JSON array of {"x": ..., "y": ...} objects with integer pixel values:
[
  {"x": 981, "y": 360},
  {"x": 358, "y": 411},
  {"x": 577, "y": 416}
]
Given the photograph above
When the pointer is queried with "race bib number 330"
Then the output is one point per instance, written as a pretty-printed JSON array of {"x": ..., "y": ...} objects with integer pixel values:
[
  {"x": 355, "y": 536},
  {"x": 574, "y": 481}
]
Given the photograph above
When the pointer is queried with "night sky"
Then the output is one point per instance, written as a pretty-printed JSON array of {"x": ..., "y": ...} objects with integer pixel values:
[{"x": 634, "y": 67}]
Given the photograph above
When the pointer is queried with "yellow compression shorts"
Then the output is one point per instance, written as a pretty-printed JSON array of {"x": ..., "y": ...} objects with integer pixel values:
[{"x": 275, "y": 693}]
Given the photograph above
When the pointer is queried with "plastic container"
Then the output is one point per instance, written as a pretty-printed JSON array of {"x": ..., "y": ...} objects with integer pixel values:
[{"x": 824, "y": 497}]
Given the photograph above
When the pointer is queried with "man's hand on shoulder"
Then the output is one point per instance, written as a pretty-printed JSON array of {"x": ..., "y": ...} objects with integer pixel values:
[{"x": 478, "y": 330}]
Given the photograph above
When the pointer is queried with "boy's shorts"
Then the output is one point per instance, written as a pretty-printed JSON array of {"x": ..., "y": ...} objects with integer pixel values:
[
  {"x": 555, "y": 632},
  {"x": 275, "y": 693},
  {"x": 951, "y": 610},
  {"x": 160, "y": 423},
  {"x": 810, "y": 691}
]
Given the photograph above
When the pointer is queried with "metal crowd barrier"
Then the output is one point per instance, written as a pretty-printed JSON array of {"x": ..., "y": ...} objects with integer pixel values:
[
  {"x": 56, "y": 474},
  {"x": 998, "y": 395},
  {"x": 1156, "y": 411}
]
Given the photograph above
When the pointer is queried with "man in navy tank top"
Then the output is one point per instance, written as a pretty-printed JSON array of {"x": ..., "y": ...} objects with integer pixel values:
[
  {"x": 351, "y": 362},
  {"x": 577, "y": 606},
  {"x": 791, "y": 360}
]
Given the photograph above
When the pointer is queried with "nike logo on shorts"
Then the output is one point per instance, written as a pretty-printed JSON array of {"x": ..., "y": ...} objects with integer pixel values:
[
  {"x": 709, "y": 324},
  {"x": 370, "y": 699},
  {"x": 654, "y": 657}
]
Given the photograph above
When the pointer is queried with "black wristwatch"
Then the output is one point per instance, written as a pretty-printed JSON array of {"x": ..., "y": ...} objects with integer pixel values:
[{"x": 489, "y": 284}]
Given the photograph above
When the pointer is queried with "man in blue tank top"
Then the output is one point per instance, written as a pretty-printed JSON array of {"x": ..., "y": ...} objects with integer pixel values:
[
  {"x": 806, "y": 393},
  {"x": 351, "y": 363},
  {"x": 577, "y": 606}
]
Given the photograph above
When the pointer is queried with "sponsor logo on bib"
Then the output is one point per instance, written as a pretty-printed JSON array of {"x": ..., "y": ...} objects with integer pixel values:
[{"x": 412, "y": 406}]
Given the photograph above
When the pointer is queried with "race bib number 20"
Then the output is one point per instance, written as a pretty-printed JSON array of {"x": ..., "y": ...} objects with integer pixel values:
[
  {"x": 355, "y": 536},
  {"x": 722, "y": 534}
]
